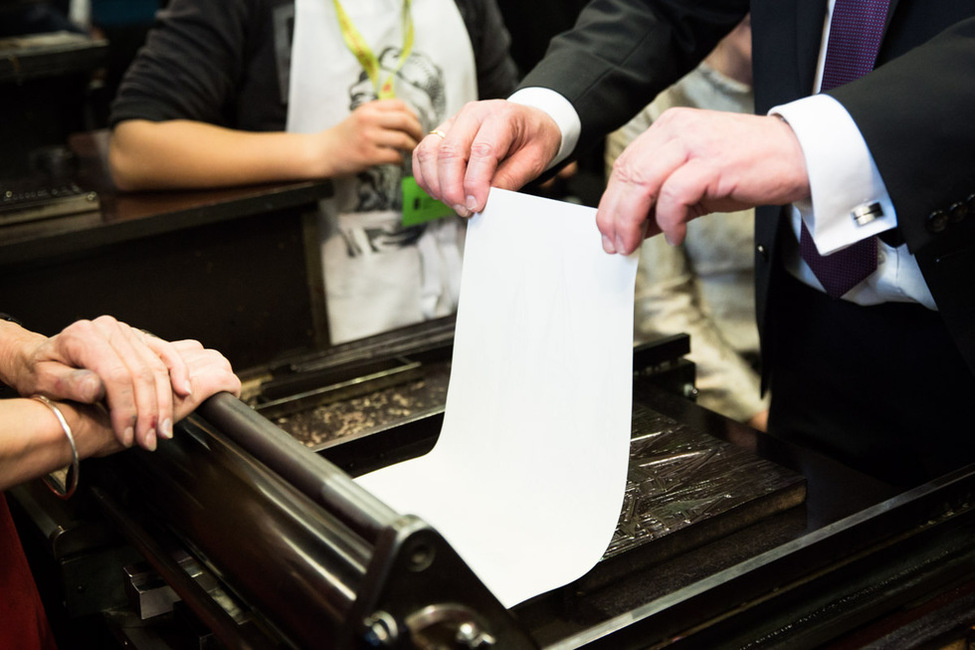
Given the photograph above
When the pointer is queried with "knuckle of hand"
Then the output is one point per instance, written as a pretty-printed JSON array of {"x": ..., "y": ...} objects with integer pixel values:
[
  {"x": 104, "y": 321},
  {"x": 676, "y": 114},
  {"x": 473, "y": 106},
  {"x": 632, "y": 222},
  {"x": 627, "y": 172},
  {"x": 504, "y": 109},
  {"x": 159, "y": 371},
  {"x": 669, "y": 198},
  {"x": 80, "y": 327},
  {"x": 482, "y": 149},
  {"x": 117, "y": 374},
  {"x": 423, "y": 153},
  {"x": 145, "y": 375},
  {"x": 448, "y": 151}
]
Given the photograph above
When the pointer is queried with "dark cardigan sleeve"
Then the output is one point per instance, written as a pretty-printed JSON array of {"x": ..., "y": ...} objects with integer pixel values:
[{"x": 497, "y": 73}]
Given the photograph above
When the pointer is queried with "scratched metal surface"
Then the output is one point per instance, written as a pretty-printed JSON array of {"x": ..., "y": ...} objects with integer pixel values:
[{"x": 380, "y": 409}]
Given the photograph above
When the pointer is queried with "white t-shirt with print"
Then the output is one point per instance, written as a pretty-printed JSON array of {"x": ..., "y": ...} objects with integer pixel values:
[{"x": 380, "y": 275}]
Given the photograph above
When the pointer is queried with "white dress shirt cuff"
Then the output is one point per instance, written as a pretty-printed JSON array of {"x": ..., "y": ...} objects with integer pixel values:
[
  {"x": 559, "y": 109},
  {"x": 842, "y": 173}
]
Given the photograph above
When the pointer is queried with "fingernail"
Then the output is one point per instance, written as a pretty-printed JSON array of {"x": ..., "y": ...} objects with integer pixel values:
[
  {"x": 461, "y": 210},
  {"x": 472, "y": 204},
  {"x": 188, "y": 388},
  {"x": 668, "y": 239},
  {"x": 608, "y": 245},
  {"x": 128, "y": 436},
  {"x": 151, "y": 440},
  {"x": 167, "y": 429},
  {"x": 619, "y": 245}
]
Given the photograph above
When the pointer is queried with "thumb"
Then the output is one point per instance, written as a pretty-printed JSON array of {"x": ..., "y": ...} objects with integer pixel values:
[
  {"x": 79, "y": 385},
  {"x": 526, "y": 163}
]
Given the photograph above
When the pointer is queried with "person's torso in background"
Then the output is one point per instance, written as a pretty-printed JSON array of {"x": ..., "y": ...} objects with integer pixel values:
[{"x": 380, "y": 274}]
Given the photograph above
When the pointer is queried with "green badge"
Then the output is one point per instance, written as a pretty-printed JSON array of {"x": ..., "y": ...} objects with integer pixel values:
[{"x": 418, "y": 206}]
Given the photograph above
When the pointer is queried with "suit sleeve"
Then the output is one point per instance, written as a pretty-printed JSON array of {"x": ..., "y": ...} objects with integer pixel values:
[
  {"x": 622, "y": 53},
  {"x": 915, "y": 114}
]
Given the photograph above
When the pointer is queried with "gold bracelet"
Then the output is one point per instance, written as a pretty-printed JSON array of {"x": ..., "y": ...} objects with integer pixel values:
[{"x": 63, "y": 486}]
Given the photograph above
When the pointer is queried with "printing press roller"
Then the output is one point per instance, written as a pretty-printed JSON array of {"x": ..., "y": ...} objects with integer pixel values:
[
  {"x": 314, "y": 553},
  {"x": 266, "y": 544},
  {"x": 307, "y": 552}
]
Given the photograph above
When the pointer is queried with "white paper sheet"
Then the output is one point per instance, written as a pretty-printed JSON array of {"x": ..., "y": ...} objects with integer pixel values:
[{"x": 527, "y": 478}]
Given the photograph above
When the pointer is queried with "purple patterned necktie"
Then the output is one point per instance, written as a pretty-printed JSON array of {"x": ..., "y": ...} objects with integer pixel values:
[{"x": 854, "y": 39}]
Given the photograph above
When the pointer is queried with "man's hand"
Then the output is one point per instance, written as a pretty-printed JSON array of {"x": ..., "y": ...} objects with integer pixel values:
[
  {"x": 492, "y": 143},
  {"x": 692, "y": 162}
]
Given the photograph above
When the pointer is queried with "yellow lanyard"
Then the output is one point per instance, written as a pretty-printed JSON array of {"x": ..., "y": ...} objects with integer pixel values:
[{"x": 358, "y": 46}]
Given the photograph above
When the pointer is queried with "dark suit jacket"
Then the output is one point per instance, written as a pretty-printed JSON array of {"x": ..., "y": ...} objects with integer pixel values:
[{"x": 916, "y": 111}]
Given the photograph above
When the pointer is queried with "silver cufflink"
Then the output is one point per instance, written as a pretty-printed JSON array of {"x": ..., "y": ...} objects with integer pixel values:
[{"x": 864, "y": 214}]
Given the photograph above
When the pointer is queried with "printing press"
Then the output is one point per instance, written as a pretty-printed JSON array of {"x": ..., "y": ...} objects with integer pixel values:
[{"x": 247, "y": 530}]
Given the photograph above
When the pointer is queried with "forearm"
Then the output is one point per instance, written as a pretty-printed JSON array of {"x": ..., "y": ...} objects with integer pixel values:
[
  {"x": 32, "y": 442},
  {"x": 186, "y": 154},
  {"x": 14, "y": 341}
]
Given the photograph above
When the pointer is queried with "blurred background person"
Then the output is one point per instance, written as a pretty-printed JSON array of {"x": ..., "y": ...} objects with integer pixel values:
[
  {"x": 705, "y": 286},
  {"x": 244, "y": 91}
]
